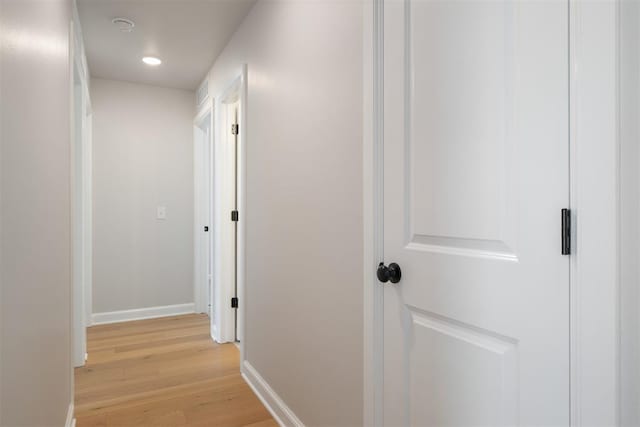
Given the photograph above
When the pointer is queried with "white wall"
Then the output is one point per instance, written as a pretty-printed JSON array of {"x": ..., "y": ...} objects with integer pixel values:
[
  {"x": 304, "y": 202},
  {"x": 35, "y": 213},
  {"x": 142, "y": 159}
]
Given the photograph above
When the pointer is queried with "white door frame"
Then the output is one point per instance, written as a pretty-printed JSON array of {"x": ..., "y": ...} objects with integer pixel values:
[
  {"x": 202, "y": 284},
  {"x": 81, "y": 194},
  {"x": 594, "y": 158},
  {"x": 236, "y": 90},
  {"x": 595, "y": 187},
  {"x": 88, "y": 211}
]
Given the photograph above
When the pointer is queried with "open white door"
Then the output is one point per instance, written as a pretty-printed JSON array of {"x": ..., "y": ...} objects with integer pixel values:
[
  {"x": 228, "y": 214},
  {"x": 229, "y": 189},
  {"x": 476, "y": 172}
]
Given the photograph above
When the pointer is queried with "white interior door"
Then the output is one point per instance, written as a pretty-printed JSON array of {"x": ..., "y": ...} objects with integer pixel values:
[
  {"x": 476, "y": 172},
  {"x": 232, "y": 111},
  {"x": 208, "y": 200},
  {"x": 203, "y": 191},
  {"x": 226, "y": 248}
]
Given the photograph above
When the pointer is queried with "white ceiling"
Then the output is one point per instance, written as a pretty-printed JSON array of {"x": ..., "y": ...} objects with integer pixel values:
[{"x": 186, "y": 34}]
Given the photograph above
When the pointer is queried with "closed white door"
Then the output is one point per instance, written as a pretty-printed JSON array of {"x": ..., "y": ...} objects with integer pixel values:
[
  {"x": 476, "y": 173},
  {"x": 208, "y": 200}
]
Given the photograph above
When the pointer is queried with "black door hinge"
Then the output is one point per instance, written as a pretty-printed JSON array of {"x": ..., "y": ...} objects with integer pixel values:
[
  {"x": 234, "y": 302},
  {"x": 235, "y": 129},
  {"x": 566, "y": 231},
  {"x": 234, "y": 216},
  {"x": 206, "y": 228}
]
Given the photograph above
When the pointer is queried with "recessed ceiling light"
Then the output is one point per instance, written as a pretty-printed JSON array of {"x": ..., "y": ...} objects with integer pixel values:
[
  {"x": 151, "y": 60},
  {"x": 125, "y": 25}
]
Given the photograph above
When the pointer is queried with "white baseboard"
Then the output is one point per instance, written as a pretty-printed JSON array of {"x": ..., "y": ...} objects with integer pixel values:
[
  {"x": 70, "y": 422},
  {"x": 280, "y": 411},
  {"x": 142, "y": 313}
]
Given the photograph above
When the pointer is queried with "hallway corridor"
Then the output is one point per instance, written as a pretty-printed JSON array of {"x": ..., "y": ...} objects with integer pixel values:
[{"x": 163, "y": 372}]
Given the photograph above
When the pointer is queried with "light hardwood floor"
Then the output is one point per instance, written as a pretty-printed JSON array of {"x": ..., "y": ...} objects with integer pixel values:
[{"x": 163, "y": 372}]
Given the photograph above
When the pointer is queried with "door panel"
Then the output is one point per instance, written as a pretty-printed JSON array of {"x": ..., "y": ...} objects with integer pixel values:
[
  {"x": 460, "y": 58},
  {"x": 462, "y": 375},
  {"x": 475, "y": 174}
]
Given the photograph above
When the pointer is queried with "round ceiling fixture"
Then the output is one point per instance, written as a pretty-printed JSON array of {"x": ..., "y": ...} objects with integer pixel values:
[
  {"x": 151, "y": 60},
  {"x": 125, "y": 25}
]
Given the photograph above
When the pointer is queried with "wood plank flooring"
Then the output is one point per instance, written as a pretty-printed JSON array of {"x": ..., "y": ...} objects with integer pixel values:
[{"x": 163, "y": 372}]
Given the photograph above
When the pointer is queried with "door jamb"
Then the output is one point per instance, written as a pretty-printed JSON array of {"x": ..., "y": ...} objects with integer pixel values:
[
  {"x": 594, "y": 169},
  {"x": 595, "y": 202},
  {"x": 372, "y": 210},
  {"x": 81, "y": 190}
]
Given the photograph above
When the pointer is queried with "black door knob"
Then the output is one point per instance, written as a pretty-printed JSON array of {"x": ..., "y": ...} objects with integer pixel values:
[{"x": 389, "y": 274}]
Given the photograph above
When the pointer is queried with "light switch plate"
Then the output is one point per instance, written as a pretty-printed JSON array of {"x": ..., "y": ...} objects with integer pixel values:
[{"x": 162, "y": 212}]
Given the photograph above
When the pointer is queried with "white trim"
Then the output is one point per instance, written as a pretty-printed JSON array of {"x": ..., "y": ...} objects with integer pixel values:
[
  {"x": 214, "y": 332},
  {"x": 70, "y": 422},
  {"x": 203, "y": 86},
  {"x": 594, "y": 158},
  {"x": 629, "y": 91},
  {"x": 142, "y": 313},
  {"x": 81, "y": 189},
  {"x": 242, "y": 209},
  {"x": 80, "y": 204},
  {"x": 204, "y": 109},
  {"x": 372, "y": 216},
  {"x": 88, "y": 210},
  {"x": 269, "y": 398}
]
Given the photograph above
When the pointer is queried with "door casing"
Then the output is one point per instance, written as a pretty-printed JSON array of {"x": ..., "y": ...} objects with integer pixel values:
[
  {"x": 594, "y": 200},
  {"x": 81, "y": 186}
]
